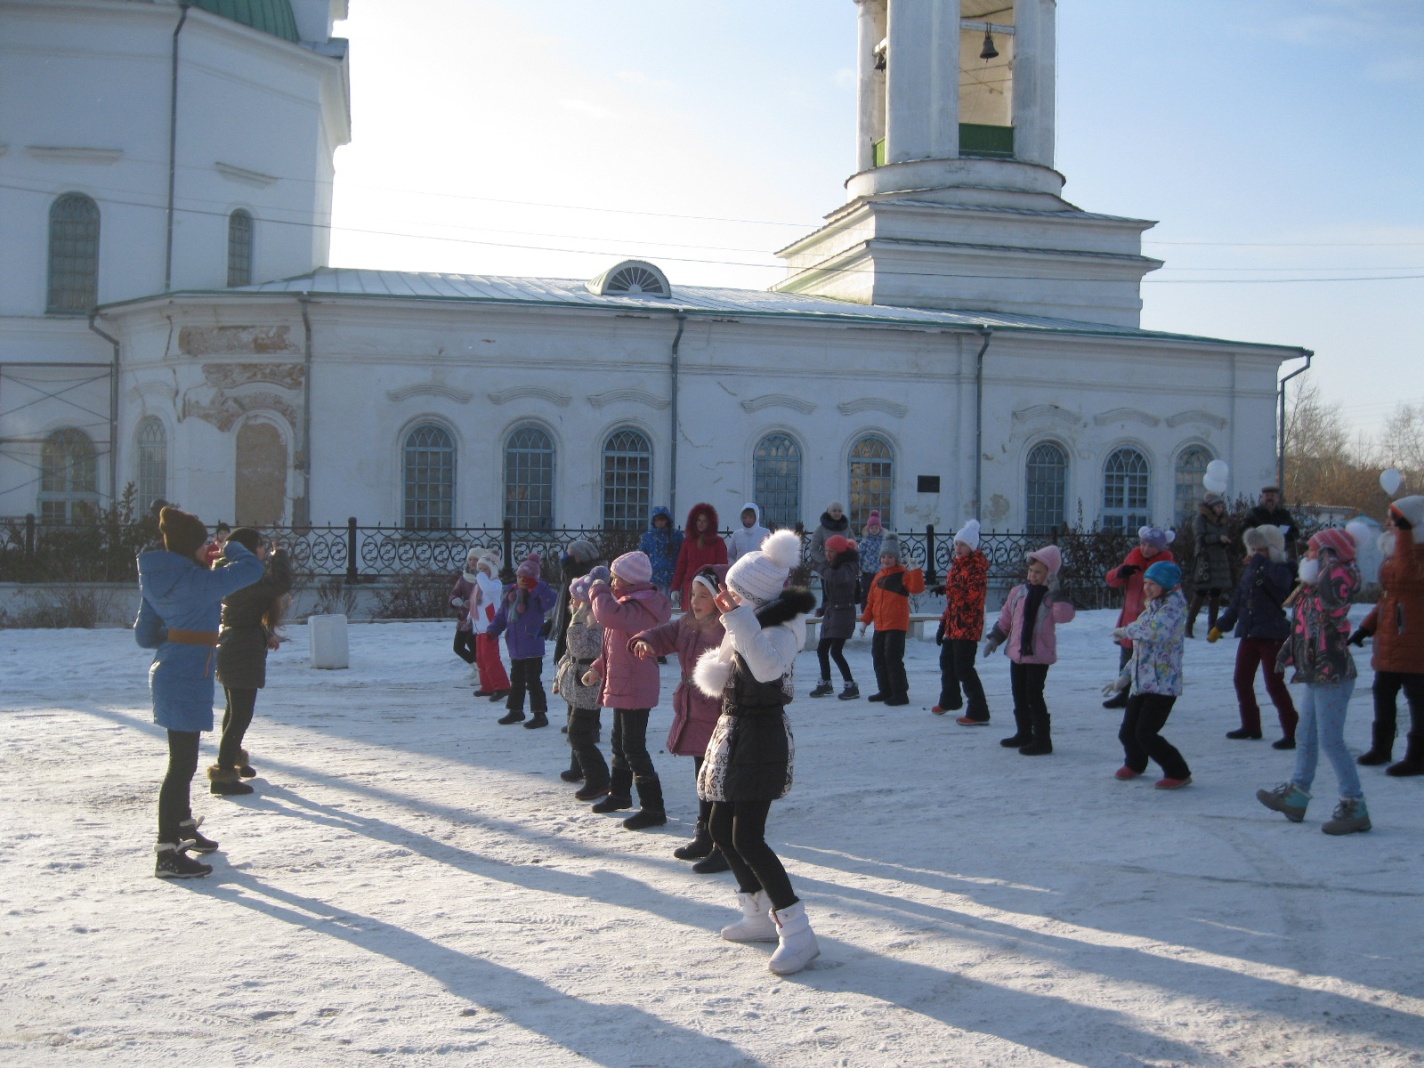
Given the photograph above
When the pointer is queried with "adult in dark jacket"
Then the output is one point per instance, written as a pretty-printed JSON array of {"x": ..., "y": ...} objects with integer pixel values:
[
  {"x": 249, "y": 624},
  {"x": 840, "y": 593},
  {"x": 1258, "y": 614},
  {"x": 833, "y": 521},
  {"x": 178, "y": 618},
  {"x": 1269, "y": 512},
  {"x": 1211, "y": 573}
]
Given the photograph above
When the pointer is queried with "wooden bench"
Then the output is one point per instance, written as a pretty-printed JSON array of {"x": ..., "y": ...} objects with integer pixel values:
[{"x": 918, "y": 622}]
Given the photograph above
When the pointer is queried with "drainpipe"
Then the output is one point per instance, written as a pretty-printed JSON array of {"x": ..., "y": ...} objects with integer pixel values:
[
  {"x": 1281, "y": 425},
  {"x": 987, "y": 335},
  {"x": 681, "y": 318},
  {"x": 304, "y": 300},
  {"x": 113, "y": 410},
  {"x": 172, "y": 144}
]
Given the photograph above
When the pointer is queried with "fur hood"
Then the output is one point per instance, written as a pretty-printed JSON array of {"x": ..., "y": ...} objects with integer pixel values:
[
  {"x": 789, "y": 611},
  {"x": 701, "y": 508}
]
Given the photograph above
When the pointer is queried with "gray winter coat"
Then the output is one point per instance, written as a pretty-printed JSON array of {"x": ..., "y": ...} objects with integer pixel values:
[{"x": 1212, "y": 570}]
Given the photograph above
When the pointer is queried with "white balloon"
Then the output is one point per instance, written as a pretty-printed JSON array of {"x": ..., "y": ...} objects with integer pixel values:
[
  {"x": 1390, "y": 480},
  {"x": 1214, "y": 485},
  {"x": 1218, "y": 469}
]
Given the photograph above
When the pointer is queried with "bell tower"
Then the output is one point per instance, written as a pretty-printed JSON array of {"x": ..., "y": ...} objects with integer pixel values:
[{"x": 955, "y": 203}]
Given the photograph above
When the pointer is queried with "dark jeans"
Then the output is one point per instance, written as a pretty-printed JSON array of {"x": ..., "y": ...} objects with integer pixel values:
[
  {"x": 1251, "y": 653},
  {"x": 237, "y": 717},
  {"x": 739, "y": 829},
  {"x": 956, "y": 672},
  {"x": 1030, "y": 710},
  {"x": 828, "y": 649},
  {"x": 887, "y": 654},
  {"x": 1386, "y": 693},
  {"x": 1142, "y": 721},
  {"x": 465, "y": 645},
  {"x": 524, "y": 676},
  {"x": 173, "y": 804},
  {"x": 583, "y": 740},
  {"x": 630, "y": 746}
]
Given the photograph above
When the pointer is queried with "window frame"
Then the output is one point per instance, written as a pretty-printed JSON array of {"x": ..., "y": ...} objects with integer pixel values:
[
  {"x": 1134, "y": 491},
  {"x": 780, "y": 507},
  {"x": 72, "y": 272},
  {"x": 861, "y": 499},
  {"x": 516, "y": 472},
  {"x": 1035, "y": 495},
  {"x": 428, "y": 503},
  {"x": 625, "y": 491}
]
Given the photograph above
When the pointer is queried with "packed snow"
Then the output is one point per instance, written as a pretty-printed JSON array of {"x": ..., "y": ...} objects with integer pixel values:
[{"x": 413, "y": 884}]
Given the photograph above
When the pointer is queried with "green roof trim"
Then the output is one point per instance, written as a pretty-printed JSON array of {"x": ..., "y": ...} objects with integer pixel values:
[{"x": 269, "y": 16}]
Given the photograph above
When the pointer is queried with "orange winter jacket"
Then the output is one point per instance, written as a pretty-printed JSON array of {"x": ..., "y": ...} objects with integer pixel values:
[
  {"x": 1397, "y": 622},
  {"x": 888, "y": 605}
]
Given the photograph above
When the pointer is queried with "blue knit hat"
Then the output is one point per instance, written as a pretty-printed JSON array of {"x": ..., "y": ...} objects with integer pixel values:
[{"x": 1165, "y": 573}]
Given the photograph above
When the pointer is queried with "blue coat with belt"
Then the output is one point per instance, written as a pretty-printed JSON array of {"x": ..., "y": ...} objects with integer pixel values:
[{"x": 181, "y": 594}]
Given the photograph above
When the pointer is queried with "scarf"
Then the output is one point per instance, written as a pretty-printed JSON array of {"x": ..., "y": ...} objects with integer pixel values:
[{"x": 1032, "y": 603}]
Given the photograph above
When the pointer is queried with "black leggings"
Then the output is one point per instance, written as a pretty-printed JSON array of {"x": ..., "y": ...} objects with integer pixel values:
[
  {"x": 465, "y": 645},
  {"x": 828, "y": 649},
  {"x": 173, "y": 803},
  {"x": 237, "y": 717},
  {"x": 739, "y": 829}
]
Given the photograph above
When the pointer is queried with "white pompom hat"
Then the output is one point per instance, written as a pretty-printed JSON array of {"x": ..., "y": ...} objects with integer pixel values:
[
  {"x": 969, "y": 534},
  {"x": 760, "y": 576}
]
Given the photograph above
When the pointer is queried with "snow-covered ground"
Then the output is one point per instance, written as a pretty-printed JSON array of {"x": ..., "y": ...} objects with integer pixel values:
[{"x": 412, "y": 884}]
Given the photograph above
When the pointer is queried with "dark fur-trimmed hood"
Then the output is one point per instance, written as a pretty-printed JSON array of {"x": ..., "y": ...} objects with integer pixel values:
[{"x": 793, "y": 602}]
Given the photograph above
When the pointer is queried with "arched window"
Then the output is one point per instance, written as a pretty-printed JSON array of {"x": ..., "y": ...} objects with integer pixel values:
[
  {"x": 529, "y": 479},
  {"x": 69, "y": 476},
  {"x": 73, "y": 255},
  {"x": 872, "y": 464},
  {"x": 627, "y": 480},
  {"x": 1126, "y": 490},
  {"x": 776, "y": 480},
  {"x": 239, "y": 248},
  {"x": 1191, "y": 466},
  {"x": 152, "y": 461},
  {"x": 1045, "y": 488},
  {"x": 429, "y": 478}
]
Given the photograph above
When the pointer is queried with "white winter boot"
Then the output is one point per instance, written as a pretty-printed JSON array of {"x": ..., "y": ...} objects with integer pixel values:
[
  {"x": 798, "y": 942},
  {"x": 756, "y": 924}
]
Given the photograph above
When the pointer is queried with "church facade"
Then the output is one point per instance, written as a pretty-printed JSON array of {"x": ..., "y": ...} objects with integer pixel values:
[{"x": 956, "y": 340}]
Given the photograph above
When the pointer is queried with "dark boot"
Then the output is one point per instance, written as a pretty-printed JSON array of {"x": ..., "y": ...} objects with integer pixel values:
[
  {"x": 1213, "y": 609},
  {"x": 1382, "y": 749},
  {"x": 540, "y": 720},
  {"x": 714, "y": 863},
  {"x": 1413, "y": 762},
  {"x": 1042, "y": 743},
  {"x": 514, "y": 715},
  {"x": 620, "y": 791},
  {"x": 226, "y": 783},
  {"x": 823, "y": 689},
  {"x": 194, "y": 839},
  {"x": 244, "y": 765},
  {"x": 1192, "y": 613},
  {"x": 701, "y": 845},
  {"x": 1023, "y": 732},
  {"x": 650, "y": 798}
]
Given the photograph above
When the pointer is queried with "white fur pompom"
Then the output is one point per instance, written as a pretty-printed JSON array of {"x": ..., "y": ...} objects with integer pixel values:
[
  {"x": 782, "y": 548},
  {"x": 712, "y": 672}
]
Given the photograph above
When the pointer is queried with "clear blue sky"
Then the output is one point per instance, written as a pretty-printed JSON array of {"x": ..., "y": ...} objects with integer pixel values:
[{"x": 1278, "y": 143}]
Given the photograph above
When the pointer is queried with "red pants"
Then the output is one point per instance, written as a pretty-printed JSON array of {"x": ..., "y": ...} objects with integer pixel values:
[
  {"x": 1251, "y": 652},
  {"x": 492, "y": 675}
]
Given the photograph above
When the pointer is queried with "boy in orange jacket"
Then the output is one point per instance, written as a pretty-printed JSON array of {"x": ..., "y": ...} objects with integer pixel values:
[{"x": 888, "y": 608}]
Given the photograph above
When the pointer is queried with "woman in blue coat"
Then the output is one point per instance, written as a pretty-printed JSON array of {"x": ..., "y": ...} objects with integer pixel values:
[{"x": 178, "y": 617}]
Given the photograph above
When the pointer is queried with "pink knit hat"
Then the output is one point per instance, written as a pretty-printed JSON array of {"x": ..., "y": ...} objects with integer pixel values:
[
  {"x": 634, "y": 568},
  {"x": 1337, "y": 541},
  {"x": 1049, "y": 556}
]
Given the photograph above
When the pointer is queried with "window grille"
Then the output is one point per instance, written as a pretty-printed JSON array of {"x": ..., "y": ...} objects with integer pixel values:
[
  {"x": 872, "y": 465},
  {"x": 529, "y": 479},
  {"x": 69, "y": 476},
  {"x": 1126, "y": 486},
  {"x": 152, "y": 461},
  {"x": 776, "y": 480},
  {"x": 239, "y": 248},
  {"x": 1045, "y": 488},
  {"x": 1191, "y": 466},
  {"x": 429, "y": 479},
  {"x": 627, "y": 480},
  {"x": 73, "y": 255}
]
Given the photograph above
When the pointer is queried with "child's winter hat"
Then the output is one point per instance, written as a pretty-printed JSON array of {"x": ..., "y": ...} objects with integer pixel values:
[
  {"x": 580, "y": 551},
  {"x": 578, "y": 588},
  {"x": 709, "y": 576},
  {"x": 530, "y": 568},
  {"x": 1165, "y": 573},
  {"x": 1336, "y": 540},
  {"x": 1410, "y": 509},
  {"x": 634, "y": 568},
  {"x": 489, "y": 560},
  {"x": 760, "y": 576},
  {"x": 969, "y": 534},
  {"x": 890, "y": 546},
  {"x": 1211, "y": 500},
  {"x": 874, "y": 516},
  {"x": 838, "y": 543},
  {"x": 1049, "y": 556},
  {"x": 1266, "y": 537},
  {"x": 183, "y": 532},
  {"x": 250, "y": 538},
  {"x": 1156, "y": 537}
]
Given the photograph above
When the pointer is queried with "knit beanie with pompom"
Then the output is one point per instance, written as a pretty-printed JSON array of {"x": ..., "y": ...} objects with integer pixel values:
[{"x": 760, "y": 576}]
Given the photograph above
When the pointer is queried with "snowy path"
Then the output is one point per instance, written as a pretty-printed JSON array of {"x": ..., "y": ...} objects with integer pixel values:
[{"x": 411, "y": 884}]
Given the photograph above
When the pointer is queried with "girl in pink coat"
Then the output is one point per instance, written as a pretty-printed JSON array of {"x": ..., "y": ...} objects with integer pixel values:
[
  {"x": 627, "y": 605},
  {"x": 694, "y": 714},
  {"x": 1027, "y": 622}
]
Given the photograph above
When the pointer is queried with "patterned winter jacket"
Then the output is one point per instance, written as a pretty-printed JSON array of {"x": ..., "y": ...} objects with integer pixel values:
[
  {"x": 1318, "y": 646},
  {"x": 661, "y": 547},
  {"x": 965, "y": 588},
  {"x": 583, "y": 641},
  {"x": 1132, "y": 584},
  {"x": 1158, "y": 637},
  {"x": 1397, "y": 622},
  {"x": 888, "y": 605}
]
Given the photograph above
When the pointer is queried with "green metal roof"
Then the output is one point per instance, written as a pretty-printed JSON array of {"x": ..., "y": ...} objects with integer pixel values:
[{"x": 269, "y": 16}]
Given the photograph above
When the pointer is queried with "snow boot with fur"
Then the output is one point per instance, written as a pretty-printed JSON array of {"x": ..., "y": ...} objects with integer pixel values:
[
  {"x": 797, "y": 942},
  {"x": 850, "y": 693},
  {"x": 823, "y": 689},
  {"x": 174, "y": 863},
  {"x": 226, "y": 782},
  {"x": 244, "y": 765},
  {"x": 756, "y": 924}
]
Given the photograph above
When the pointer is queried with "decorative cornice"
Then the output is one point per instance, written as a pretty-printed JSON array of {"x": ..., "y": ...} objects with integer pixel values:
[
  {"x": 504, "y": 396},
  {"x": 242, "y": 174},
  {"x": 436, "y": 389},
  {"x": 1124, "y": 415},
  {"x": 778, "y": 400},
  {"x": 1037, "y": 413},
  {"x": 634, "y": 396},
  {"x": 74, "y": 154},
  {"x": 873, "y": 404},
  {"x": 1196, "y": 416}
]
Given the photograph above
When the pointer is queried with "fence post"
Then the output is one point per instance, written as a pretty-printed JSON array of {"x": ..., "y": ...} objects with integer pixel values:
[
  {"x": 506, "y": 573},
  {"x": 351, "y": 547},
  {"x": 931, "y": 579},
  {"x": 29, "y": 533}
]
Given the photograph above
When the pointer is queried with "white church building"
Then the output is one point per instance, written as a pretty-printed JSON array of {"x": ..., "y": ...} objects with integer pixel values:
[{"x": 955, "y": 340}]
